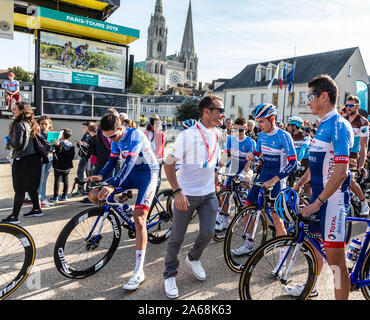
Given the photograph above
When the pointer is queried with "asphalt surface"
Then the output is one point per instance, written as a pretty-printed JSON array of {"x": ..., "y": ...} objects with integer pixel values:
[{"x": 46, "y": 283}]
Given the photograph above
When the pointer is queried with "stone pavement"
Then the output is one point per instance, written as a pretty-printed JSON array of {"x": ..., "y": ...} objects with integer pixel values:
[{"x": 46, "y": 283}]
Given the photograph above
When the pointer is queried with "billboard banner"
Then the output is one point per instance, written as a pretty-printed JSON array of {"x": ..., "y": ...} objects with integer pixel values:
[
  {"x": 6, "y": 19},
  {"x": 362, "y": 92},
  {"x": 83, "y": 62}
]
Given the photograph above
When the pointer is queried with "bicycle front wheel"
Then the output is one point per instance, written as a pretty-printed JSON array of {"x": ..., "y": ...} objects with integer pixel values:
[
  {"x": 225, "y": 205},
  {"x": 81, "y": 250},
  {"x": 160, "y": 217},
  {"x": 259, "y": 279},
  {"x": 17, "y": 255},
  {"x": 238, "y": 232}
]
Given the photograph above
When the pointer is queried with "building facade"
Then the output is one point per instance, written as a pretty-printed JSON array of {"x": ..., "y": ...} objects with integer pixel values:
[
  {"x": 169, "y": 70},
  {"x": 250, "y": 87}
]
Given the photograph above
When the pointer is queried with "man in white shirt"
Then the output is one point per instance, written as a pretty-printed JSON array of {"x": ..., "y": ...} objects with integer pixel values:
[{"x": 197, "y": 151}]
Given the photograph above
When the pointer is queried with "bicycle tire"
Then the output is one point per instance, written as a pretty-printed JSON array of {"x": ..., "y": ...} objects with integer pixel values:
[
  {"x": 79, "y": 269},
  {"x": 156, "y": 234},
  {"x": 235, "y": 239},
  {"x": 263, "y": 260},
  {"x": 17, "y": 238},
  {"x": 219, "y": 236},
  {"x": 365, "y": 274}
]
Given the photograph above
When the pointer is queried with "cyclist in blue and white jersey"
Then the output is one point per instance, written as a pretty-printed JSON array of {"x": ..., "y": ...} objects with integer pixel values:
[
  {"x": 81, "y": 52},
  {"x": 280, "y": 160},
  {"x": 238, "y": 145},
  {"x": 139, "y": 171},
  {"x": 330, "y": 177}
]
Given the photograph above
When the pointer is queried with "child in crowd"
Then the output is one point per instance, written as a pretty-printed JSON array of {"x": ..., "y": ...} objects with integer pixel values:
[
  {"x": 45, "y": 125},
  {"x": 62, "y": 164}
]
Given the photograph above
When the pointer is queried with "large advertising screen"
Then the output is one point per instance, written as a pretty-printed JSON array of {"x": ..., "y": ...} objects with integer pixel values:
[{"x": 83, "y": 62}]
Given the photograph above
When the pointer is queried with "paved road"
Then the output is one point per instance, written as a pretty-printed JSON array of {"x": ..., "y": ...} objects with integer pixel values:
[{"x": 46, "y": 283}]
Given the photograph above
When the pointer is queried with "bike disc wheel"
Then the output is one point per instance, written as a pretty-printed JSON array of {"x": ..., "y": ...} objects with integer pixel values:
[
  {"x": 77, "y": 257},
  {"x": 236, "y": 237},
  {"x": 17, "y": 255},
  {"x": 257, "y": 281},
  {"x": 223, "y": 200}
]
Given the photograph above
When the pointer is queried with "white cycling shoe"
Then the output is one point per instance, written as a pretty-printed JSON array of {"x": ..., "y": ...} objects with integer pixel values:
[
  {"x": 297, "y": 291},
  {"x": 221, "y": 226},
  {"x": 242, "y": 250},
  {"x": 136, "y": 279}
]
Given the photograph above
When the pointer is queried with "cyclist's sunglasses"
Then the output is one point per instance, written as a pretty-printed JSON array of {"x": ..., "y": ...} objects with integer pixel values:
[
  {"x": 351, "y": 105},
  {"x": 113, "y": 135},
  {"x": 240, "y": 130},
  {"x": 222, "y": 110},
  {"x": 311, "y": 96}
]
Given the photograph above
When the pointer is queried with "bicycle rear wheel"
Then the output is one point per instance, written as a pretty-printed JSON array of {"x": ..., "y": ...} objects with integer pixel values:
[
  {"x": 365, "y": 275},
  {"x": 257, "y": 281},
  {"x": 223, "y": 197},
  {"x": 161, "y": 216},
  {"x": 17, "y": 255},
  {"x": 237, "y": 234},
  {"x": 77, "y": 256}
]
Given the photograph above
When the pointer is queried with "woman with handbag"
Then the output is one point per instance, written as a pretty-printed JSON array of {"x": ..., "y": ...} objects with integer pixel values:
[{"x": 22, "y": 132}]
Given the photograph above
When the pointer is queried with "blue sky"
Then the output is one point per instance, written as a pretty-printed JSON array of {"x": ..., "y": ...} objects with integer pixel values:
[{"x": 229, "y": 34}]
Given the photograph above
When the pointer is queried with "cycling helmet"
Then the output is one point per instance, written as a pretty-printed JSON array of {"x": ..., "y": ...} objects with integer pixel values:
[
  {"x": 264, "y": 110},
  {"x": 287, "y": 204},
  {"x": 189, "y": 123},
  {"x": 296, "y": 121}
]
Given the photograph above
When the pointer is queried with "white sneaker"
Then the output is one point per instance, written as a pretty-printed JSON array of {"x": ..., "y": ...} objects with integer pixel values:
[
  {"x": 242, "y": 250},
  {"x": 297, "y": 291},
  {"x": 364, "y": 209},
  {"x": 136, "y": 279},
  {"x": 221, "y": 226},
  {"x": 170, "y": 287},
  {"x": 197, "y": 268}
]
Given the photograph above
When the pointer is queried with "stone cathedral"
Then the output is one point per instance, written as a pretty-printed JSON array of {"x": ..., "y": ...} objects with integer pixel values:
[{"x": 170, "y": 70}]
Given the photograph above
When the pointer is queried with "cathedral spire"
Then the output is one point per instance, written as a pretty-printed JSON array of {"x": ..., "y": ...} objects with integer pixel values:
[
  {"x": 158, "y": 8},
  {"x": 187, "y": 46}
]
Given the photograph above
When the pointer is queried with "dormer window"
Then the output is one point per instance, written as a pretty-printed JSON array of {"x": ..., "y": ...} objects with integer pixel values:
[{"x": 260, "y": 73}]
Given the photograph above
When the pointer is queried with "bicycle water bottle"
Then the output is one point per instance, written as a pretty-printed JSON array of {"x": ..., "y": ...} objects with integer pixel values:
[
  {"x": 354, "y": 251},
  {"x": 127, "y": 209}
]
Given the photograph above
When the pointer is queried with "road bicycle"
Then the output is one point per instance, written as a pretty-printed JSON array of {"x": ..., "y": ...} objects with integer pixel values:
[
  {"x": 89, "y": 240},
  {"x": 83, "y": 62},
  {"x": 231, "y": 201},
  {"x": 297, "y": 265},
  {"x": 17, "y": 256},
  {"x": 253, "y": 223}
]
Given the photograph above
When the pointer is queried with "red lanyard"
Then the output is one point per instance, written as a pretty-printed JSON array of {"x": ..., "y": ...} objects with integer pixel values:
[{"x": 207, "y": 145}]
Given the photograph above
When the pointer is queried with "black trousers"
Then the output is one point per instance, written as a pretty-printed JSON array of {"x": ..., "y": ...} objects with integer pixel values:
[{"x": 60, "y": 176}]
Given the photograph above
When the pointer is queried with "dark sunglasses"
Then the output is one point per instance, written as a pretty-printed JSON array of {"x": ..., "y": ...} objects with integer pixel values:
[
  {"x": 240, "y": 130},
  {"x": 222, "y": 110},
  {"x": 350, "y": 105}
]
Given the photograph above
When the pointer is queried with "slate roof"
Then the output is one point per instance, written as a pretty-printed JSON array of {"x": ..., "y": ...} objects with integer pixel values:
[{"x": 307, "y": 67}]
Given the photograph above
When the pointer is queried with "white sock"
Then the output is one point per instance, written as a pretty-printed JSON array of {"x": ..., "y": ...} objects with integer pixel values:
[
  {"x": 140, "y": 256},
  {"x": 248, "y": 243}
]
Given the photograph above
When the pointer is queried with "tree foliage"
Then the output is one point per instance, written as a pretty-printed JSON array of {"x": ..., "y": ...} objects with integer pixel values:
[
  {"x": 188, "y": 110},
  {"x": 20, "y": 74},
  {"x": 142, "y": 82}
]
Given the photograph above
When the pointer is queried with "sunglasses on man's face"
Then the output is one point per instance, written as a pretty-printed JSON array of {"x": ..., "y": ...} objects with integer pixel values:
[
  {"x": 222, "y": 110},
  {"x": 240, "y": 130},
  {"x": 351, "y": 105}
]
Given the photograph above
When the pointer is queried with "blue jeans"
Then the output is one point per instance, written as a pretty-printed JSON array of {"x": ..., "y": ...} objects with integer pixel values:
[
  {"x": 82, "y": 165},
  {"x": 45, "y": 170}
]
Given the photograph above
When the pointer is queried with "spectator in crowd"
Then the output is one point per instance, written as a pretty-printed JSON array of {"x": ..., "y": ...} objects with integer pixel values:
[
  {"x": 45, "y": 125},
  {"x": 21, "y": 133},
  {"x": 63, "y": 164},
  {"x": 127, "y": 123},
  {"x": 91, "y": 150},
  {"x": 123, "y": 116},
  {"x": 252, "y": 129},
  {"x": 156, "y": 136},
  {"x": 82, "y": 153}
]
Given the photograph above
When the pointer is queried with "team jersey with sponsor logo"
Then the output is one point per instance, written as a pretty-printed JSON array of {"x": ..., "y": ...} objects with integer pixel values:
[
  {"x": 238, "y": 150},
  {"x": 11, "y": 86},
  {"x": 278, "y": 151},
  {"x": 331, "y": 144},
  {"x": 360, "y": 128}
]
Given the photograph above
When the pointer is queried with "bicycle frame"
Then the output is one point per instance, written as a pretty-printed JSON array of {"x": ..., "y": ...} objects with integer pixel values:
[{"x": 111, "y": 204}]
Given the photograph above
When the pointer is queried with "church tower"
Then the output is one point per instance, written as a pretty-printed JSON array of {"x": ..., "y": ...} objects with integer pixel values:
[
  {"x": 187, "y": 54},
  {"x": 157, "y": 46}
]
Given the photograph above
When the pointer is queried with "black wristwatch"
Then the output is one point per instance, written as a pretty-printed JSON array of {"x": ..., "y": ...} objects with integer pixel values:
[{"x": 177, "y": 191}]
